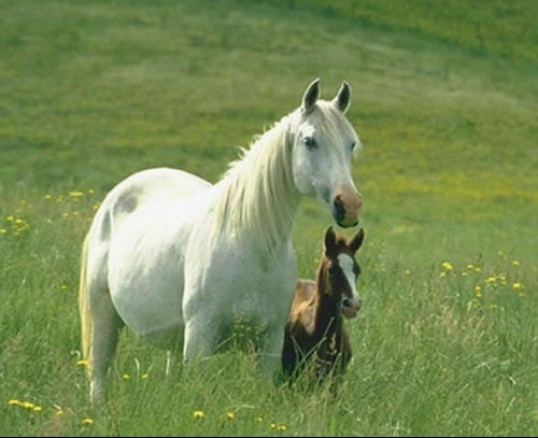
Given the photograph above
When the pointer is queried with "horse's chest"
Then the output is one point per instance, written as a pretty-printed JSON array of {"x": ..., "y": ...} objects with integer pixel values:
[
  {"x": 258, "y": 290},
  {"x": 241, "y": 284}
]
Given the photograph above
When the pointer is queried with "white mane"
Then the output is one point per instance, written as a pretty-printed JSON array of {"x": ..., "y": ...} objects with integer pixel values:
[{"x": 257, "y": 202}]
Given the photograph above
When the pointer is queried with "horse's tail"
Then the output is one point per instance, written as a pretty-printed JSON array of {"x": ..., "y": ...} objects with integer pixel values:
[{"x": 83, "y": 303}]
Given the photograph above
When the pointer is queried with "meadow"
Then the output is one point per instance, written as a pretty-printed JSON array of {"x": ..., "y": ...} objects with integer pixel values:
[{"x": 445, "y": 98}]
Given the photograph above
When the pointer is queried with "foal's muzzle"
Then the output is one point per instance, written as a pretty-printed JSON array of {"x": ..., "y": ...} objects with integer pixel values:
[{"x": 350, "y": 307}]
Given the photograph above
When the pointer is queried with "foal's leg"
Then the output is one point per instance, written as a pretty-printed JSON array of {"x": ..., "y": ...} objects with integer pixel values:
[{"x": 106, "y": 327}]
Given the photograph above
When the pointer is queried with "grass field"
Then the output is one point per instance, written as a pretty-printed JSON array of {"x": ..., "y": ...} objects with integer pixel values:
[{"x": 445, "y": 98}]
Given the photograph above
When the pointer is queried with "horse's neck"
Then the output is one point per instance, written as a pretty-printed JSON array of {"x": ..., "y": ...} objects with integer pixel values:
[{"x": 260, "y": 196}]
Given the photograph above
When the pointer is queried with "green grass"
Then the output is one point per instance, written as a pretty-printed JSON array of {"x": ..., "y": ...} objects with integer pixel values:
[{"x": 445, "y": 102}]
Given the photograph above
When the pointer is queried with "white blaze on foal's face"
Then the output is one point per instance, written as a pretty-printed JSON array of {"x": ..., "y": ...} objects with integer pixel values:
[{"x": 350, "y": 306}]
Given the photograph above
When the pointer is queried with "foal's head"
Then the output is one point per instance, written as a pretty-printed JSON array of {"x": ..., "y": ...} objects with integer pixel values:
[{"x": 340, "y": 270}]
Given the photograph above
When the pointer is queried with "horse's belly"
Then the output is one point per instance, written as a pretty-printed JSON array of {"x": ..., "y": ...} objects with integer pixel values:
[
  {"x": 146, "y": 275},
  {"x": 158, "y": 319}
]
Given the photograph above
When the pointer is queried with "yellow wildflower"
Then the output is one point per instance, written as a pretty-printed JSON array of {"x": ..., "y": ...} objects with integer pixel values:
[
  {"x": 87, "y": 421},
  {"x": 198, "y": 414}
]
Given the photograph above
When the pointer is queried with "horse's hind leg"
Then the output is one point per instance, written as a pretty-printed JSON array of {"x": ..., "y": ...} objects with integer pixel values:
[{"x": 106, "y": 327}]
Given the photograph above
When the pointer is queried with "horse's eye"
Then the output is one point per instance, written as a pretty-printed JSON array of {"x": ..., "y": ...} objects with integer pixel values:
[
  {"x": 353, "y": 145},
  {"x": 309, "y": 142}
]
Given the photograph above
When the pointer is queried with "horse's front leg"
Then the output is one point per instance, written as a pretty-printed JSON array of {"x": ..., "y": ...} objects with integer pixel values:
[
  {"x": 200, "y": 337},
  {"x": 270, "y": 351}
]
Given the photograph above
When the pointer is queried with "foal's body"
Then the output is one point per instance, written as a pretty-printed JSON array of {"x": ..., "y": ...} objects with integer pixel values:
[{"x": 315, "y": 333}]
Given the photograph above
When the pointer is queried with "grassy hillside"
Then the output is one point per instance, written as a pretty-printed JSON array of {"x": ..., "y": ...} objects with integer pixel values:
[
  {"x": 445, "y": 99},
  {"x": 499, "y": 28}
]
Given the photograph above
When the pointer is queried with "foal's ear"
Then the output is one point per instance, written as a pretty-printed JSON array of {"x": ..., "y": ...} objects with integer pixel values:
[
  {"x": 356, "y": 243},
  {"x": 330, "y": 240},
  {"x": 310, "y": 96},
  {"x": 342, "y": 101}
]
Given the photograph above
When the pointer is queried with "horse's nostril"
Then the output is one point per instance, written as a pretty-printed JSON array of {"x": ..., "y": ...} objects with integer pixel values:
[{"x": 339, "y": 209}]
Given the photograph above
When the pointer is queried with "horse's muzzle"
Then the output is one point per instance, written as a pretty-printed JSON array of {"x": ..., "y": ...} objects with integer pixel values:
[{"x": 346, "y": 208}]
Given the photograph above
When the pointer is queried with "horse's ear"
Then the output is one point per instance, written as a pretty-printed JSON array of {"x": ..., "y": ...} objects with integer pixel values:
[
  {"x": 310, "y": 96},
  {"x": 356, "y": 242},
  {"x": 330, "y": 240},
  {"x": 342, "y": 100}
]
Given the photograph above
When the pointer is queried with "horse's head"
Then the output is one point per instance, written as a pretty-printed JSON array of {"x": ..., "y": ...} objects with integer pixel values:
[
  {"x": 323, "y": 145},
  {"x": 342, "y": 270}
]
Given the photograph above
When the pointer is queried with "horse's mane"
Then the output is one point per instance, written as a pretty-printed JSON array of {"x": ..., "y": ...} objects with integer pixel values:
[{"x": 257, "y": 188}]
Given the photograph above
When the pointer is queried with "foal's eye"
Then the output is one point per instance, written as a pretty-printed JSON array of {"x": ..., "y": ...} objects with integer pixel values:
[
  {"x": 333, "y": 271},
  {"x": 309, "y": 142},
  {"x": 353, "y": 145}
]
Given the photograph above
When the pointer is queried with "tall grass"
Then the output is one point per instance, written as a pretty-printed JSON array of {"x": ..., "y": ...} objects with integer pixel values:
[{"x": 446, "y": 342}]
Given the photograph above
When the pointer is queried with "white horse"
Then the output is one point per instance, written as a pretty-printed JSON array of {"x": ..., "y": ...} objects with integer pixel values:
[{"x": 176, "y": 259}]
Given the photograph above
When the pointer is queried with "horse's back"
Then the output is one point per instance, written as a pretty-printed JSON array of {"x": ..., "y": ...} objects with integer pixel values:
[{"x": 154, "y": 184}]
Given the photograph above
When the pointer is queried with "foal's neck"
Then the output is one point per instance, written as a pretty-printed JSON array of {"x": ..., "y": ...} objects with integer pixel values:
[{"x": 328, "y": 312}]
